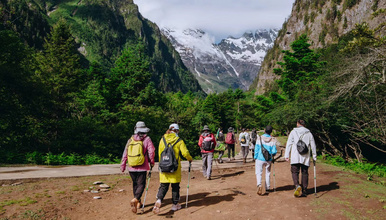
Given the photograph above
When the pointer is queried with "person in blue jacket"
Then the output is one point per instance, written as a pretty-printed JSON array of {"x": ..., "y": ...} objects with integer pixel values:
[{"x": 269, "y": 143}]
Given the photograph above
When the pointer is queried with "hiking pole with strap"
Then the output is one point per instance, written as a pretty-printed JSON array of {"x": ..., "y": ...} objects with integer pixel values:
[
  {"x": 315, "y": 176},
  {"x": 187, "y": 190},
  {"x": 147, "y": 188}
]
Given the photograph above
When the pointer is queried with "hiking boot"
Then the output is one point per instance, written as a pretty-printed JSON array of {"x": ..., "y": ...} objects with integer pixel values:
[
  {"x": 139, "y": 205},
  {"x": 304, "y": 193},
  {"x": 176, "y": 207},
  {"x": 259, "y": 190},
  {"x": 208, "y": 178},
  {"x": 297, "y": 191},
  {"x": 157, "y": 207},
  {"x": 134, "y": 204}
]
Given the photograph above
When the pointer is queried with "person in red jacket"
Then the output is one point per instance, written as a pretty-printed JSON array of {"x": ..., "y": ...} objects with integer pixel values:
[{"x": 207, "y": 143}]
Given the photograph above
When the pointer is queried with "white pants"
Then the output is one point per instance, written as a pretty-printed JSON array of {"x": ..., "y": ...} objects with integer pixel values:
[{"x": 259, "y": 171}]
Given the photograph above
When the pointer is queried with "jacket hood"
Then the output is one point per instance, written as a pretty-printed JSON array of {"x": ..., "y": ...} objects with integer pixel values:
[
  {"x": 138, "y": 138},
  {"x": 171, "y": 138},
  {"x": 301, "y": 130},
  {"x": 266, "y": 138}
]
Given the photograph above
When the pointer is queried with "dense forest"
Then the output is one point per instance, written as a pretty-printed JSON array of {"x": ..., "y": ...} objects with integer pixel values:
[{"x": 58, "y": 104}]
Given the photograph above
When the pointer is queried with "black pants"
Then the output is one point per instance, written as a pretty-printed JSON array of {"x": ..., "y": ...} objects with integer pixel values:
[
  {"x": 231, "y": 147},
  {"x": 139, "y": 183},
  {"x": 295, "y": 170},
  {"x": 163, "y": 189}
]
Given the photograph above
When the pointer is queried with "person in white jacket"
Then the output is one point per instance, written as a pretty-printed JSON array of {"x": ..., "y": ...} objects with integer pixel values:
[
  {"x": 244, "y": 142},
  {"x": 299, "y": 161}
]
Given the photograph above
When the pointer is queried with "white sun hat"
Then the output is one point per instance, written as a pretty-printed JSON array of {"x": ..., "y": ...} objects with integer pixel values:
[
  {"x": 141, "y": 127},
  {"x": 174, "y": 126}
]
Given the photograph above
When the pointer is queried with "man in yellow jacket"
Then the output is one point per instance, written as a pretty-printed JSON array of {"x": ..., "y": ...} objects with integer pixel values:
[{"x": 173, "y": 178}]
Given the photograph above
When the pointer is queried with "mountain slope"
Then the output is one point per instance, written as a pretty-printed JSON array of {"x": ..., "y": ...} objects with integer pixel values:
[
  {"x": 324, "y": 22},
  {"x": 234, "y": 62}
]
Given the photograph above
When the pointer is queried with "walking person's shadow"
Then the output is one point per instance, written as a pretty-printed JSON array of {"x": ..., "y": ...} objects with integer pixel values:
[{"x": 323, "y": 188}]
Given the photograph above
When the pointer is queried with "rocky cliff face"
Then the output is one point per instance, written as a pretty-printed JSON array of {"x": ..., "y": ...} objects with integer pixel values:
[
  {"x": 234, "y": 62},
  {"x": 324, "y": 21}
]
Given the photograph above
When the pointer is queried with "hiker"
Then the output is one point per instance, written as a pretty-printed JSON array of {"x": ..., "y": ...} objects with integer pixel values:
[
  {"x": 253, "y": 143},
  {"x": 139, "y": 152},
  {"x": 171, "y": 178},
  {"x": 207, "y": 142},
  {"x": 244, "y": 142},
  {"x": 265, "y": 150},
  {"x": 300, "y": 161},
  {"x": 230, "y": 140},
  {"x": 220, "y": 147}
]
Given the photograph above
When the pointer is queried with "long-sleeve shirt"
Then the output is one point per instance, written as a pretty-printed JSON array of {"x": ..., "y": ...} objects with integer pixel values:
[
  {"x": 148, "y": 151},
  {"x": 291, "y": 149}
]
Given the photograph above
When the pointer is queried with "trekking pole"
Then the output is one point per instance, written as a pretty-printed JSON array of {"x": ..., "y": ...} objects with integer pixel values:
[
  {"x": 274, "y": 177},
  {"x": 187, "y": 190},
  {"x": 315, "y": 176},
  {"x": 147, "y": 188}
]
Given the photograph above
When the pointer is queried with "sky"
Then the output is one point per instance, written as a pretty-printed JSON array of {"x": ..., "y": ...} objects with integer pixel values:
[{"x": 220, "y": 18}]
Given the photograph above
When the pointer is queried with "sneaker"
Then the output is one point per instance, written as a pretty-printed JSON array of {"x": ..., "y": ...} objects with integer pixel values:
[
  {"x": 157, "y": 207},
  {"x": 259, "y": 190},
  {"x": 304, "y": 193},
  {"x": 134, "y": 204},
  {"x": 139, "y": 205},
  {"x": 297, "y": 191},
  {"x": 208, "y": 178},
  {"x": 176, "y": 207}
]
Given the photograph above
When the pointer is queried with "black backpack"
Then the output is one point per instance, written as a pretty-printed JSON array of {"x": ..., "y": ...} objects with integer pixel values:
[
  {"x": 265, "y": 152},
  {"x": 254, "y": 136},
  {"x": 168, "y": 162},
  {"x": 301, "y": 146},
  {"x": 207, "y": 145}
]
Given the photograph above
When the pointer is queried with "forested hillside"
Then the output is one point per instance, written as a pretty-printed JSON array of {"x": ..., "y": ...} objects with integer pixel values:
[{"x": 73, "y": 85}]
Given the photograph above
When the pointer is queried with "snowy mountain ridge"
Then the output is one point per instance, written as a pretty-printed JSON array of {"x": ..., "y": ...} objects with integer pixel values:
[{"x": 233, "y": 62}]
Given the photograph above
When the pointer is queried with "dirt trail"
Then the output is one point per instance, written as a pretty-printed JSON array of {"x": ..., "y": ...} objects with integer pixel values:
[{"x": 231, "y": 194}]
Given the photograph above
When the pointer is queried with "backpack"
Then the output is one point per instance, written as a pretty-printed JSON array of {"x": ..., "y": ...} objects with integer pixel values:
[
  {"x": 243, "y": 139},
  {"x": 207, "y": 144},
  {"x": 229, "y": 138},
  {"x": 301, "y": 146},
  {"x": 135, "y": 156},
  {"x": 220, "y": 137},
  {"x": 265, "y": 152},
  {"x": 168, "y": 162},
  {"x": 254, "y": 136}
]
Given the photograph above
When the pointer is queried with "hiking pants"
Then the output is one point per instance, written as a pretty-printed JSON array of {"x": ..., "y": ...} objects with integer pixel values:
[
  {"x": 245, "y": 151},
  {"x": 259, "y": 171},
  {"x": 220, "y": 154},
  {"x": 139, "y": 183},
  {"x": 231, "y": 147},
  {"x": 207, "y": 159},
  {"x": 163, "y": 189},
  {"x": 295, "y": 170}
]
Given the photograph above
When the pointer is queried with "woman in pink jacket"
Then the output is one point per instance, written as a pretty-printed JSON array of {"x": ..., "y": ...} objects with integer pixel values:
[{"x": 138, "y": 173}]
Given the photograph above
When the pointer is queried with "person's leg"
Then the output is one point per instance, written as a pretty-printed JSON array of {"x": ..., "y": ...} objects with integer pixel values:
[
  {"x": 229, "y": 151},
  {"x": 258, "y": 171},
  {"x": 295, "y": 169},
  {"x": 233, "y": 151},
  {"x": 133, "y": 176},
  {"x": 175, "y": 193},
  {"x": 141, "y": 184},
  {"x": 134, "y": 202},
  {"x": 209, "y": 165},
  {"x": 204, "y": 163},
  {"x": 304, "y": 182},
  {"x": 162, "y": 190},
  {"x": 267, "y": 175},
  {"x": 220, "y": 154}
]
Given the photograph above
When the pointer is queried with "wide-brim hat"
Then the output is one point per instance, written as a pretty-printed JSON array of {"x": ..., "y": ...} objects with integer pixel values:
[
  {"x": 206, "y": 128},
  {"x": 141, "y": 127},
  {"x": 230, "y": 129}
]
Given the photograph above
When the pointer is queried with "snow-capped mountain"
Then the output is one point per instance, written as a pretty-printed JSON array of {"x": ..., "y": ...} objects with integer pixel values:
[{"x": 234, "y": 62}]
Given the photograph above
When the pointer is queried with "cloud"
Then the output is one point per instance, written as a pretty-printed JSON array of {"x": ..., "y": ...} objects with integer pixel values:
[{"x": 218, "y": 17}]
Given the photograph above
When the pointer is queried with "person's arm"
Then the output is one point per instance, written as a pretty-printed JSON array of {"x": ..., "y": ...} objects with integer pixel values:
[
  {"x": 184, "y": 151},
  {"x": 288, "y": 146},
  {"x": 124, "y": 157},
  {"x": 214, "y": 140},
  {"x": 150, "y": 150},
  {"x": 257, "y": 148},
  {"x": 200, "y": 141},
  {"x": 313, "y": 146}
]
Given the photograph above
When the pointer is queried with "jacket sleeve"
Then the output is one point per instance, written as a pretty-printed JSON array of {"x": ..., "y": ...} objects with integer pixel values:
[
  {"x": 257, "y": 147},
  {"x": 200, "y": 141},
  {"x": 289, "y": 145},
  {"x": 184, "y": 151},
  {"x": 124, "y": 157},
  {"x": 313, "y": 146},
  {"x": 214, "y": 140},
  {"x": 274, "y": 149},
  {"x": 150, "y": 150}
]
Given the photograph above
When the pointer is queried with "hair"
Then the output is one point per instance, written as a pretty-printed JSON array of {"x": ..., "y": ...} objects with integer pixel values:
[
  {"x": 302, "y": 122},
  {"x": 268, "y": 129}
]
